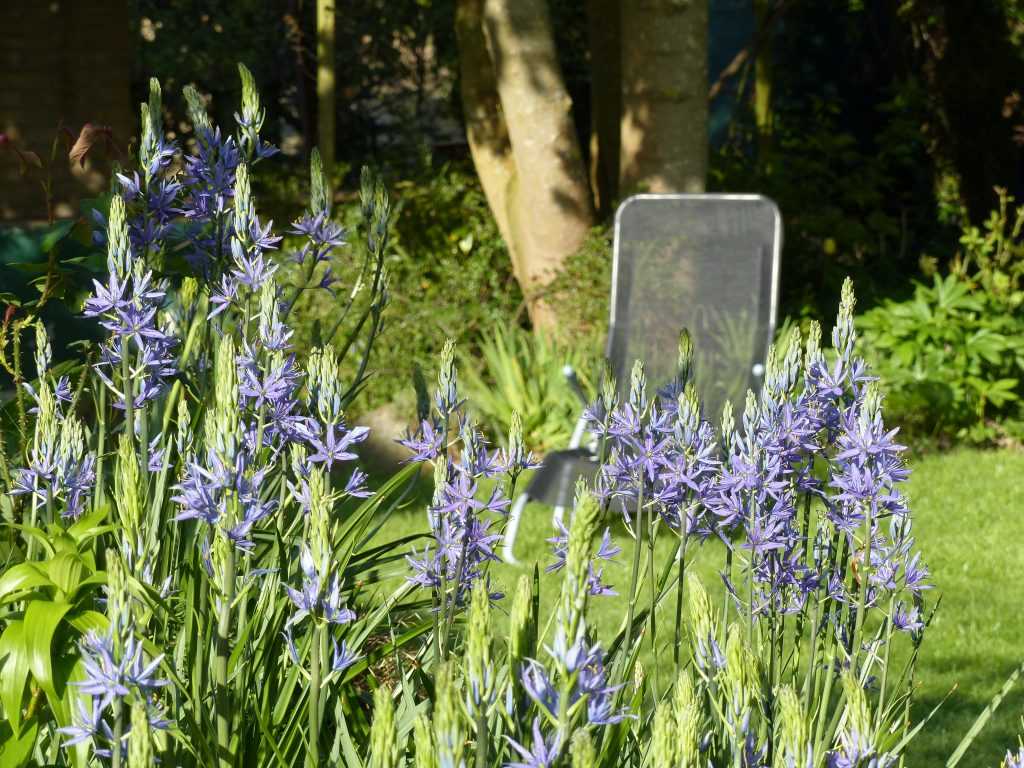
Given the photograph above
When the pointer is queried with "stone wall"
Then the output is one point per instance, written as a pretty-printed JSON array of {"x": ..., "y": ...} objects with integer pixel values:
[{"x": 64, "y": 63}]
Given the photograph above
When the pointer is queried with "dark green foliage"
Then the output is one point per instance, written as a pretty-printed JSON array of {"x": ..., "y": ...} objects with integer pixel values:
[
  {"x": 950, "y": 359},
  {"x": 449, "y": 277},
  {"x": 952, "y": 356}
]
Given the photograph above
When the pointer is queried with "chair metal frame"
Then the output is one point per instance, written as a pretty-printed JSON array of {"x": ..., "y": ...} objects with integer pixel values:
[{"x": 516, "y": 512}]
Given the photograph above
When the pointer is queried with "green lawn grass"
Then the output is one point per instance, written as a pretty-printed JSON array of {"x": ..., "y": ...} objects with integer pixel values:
[{"x": 968, "y": 508}]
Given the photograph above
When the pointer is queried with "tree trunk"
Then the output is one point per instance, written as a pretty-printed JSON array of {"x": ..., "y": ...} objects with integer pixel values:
[
  {"x": 326, "y": 113},
  {"x": 485, "y": 124},
  {"x": 549, "y": 202},
  {"x": 603, "y": 28},
  {"x": 664, "y": 132}
]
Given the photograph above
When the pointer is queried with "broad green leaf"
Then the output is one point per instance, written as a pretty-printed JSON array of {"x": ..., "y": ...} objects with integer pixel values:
[
  {"x": 21, "y": 577},
  {"x": 41, "y": 621},
  {"x": 88, "y": 621},
  {"x": 16, "y": 745},
  {"x": 65, "y": 571},
  {"x": 15, "y": 670}
]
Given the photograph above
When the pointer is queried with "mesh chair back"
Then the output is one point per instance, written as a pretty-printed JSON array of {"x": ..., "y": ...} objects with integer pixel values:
[{"x": 708, "y": 263}]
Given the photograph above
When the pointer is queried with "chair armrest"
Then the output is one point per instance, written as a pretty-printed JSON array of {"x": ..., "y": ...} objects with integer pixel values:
[
  {"x": 574, "y": 384},
  {"x": 578, "y": 432}
]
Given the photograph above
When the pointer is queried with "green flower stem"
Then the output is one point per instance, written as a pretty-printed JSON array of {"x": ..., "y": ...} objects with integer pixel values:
[
  {"x": 129, "y": 404},
  {"x": 652, "y": 522},
  {"x": 482, "y": 734},
  {"x": 680, "y": 587},
  {"x": 101, "y": 411},
  {"x": 633, "y": 586},
  {"x": 118, "y": 732},
  {"x": 223, "y": 698},
  {"x": 885, "y": 664},
  {"x": 313, "y": 756}
]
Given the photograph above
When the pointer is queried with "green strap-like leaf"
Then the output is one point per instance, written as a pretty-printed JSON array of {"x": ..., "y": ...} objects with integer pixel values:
[
  {"x": 16, "y": 746},
  {"x": 41, "y": 621},
  {"x": 19, "y": 578},
  {"x": 14, "y": 662}
]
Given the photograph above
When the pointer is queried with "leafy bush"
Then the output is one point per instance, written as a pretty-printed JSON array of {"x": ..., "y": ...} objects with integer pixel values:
[
  {"x": 522, "y": 372},
  {"x": 449, "y": 276},
  {"x": 951, "y": 357}
]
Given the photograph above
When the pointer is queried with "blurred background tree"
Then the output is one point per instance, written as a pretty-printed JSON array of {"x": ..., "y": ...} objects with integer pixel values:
[{"x": 880, "y": 129}]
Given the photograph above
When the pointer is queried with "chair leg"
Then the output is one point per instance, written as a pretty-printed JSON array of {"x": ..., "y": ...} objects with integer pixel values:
[{"x": 514, "y": 516}]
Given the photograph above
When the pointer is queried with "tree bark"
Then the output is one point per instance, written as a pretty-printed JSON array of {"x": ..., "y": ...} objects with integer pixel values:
[
  {"x": 325, "y": 82},
  {"x": 549, "y": 206},
  {"x": 603, "y": 29},
  {"x": 664, "y": 135},
  {"x": 485, "y": 124}
]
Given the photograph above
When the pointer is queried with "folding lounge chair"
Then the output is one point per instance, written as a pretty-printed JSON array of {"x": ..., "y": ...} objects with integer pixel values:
[{"x": 707, "y": 263}]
